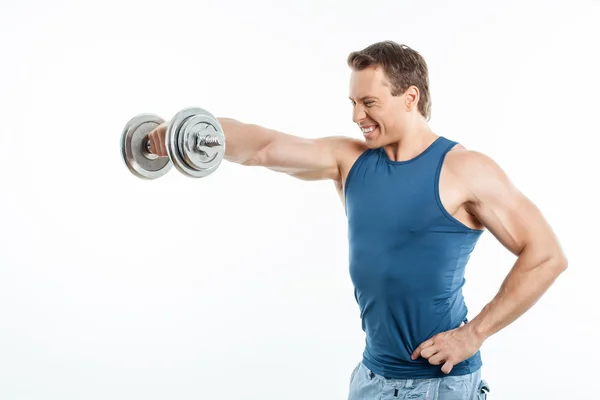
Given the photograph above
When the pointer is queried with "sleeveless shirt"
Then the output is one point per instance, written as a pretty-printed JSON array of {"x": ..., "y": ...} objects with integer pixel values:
[{"x": 407, "y": 260}]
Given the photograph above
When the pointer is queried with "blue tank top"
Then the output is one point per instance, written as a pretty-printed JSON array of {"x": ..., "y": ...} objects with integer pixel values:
[{"x": 407, "y": 260}]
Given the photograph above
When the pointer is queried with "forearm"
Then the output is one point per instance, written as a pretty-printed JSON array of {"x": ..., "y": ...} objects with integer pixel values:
[
  {"x": 244, "y": 141},
  {"x": 530, "y": 277}
]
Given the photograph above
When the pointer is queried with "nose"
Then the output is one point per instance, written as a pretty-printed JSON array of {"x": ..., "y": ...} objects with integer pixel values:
[{"x": 358, "y": 114}]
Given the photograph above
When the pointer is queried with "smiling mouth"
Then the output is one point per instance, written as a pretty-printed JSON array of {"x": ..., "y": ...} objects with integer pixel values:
[{"x": 368, "y": 130}]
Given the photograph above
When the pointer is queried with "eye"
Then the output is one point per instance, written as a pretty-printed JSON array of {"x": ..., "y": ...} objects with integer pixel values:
[{"x": 369, "y": 103}]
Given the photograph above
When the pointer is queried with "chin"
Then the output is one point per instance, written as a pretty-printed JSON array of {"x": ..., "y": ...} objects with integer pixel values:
[{"x": 372, "y": 141}]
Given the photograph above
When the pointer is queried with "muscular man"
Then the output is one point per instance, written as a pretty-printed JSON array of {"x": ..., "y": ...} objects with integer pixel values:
[{"x": 416, "y": 204}]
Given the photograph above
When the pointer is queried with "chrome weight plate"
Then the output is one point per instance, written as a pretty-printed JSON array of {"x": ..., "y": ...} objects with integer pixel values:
[
  {"x": 195, "y": 142},
  {"x": 138, "y": 159}
]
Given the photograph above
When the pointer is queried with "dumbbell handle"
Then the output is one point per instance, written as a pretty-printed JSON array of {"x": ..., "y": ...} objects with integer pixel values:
[{"x": 201, "y": 141}]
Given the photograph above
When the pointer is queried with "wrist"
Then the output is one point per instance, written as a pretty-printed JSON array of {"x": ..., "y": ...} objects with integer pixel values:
[{"x": 477, "y": 329}]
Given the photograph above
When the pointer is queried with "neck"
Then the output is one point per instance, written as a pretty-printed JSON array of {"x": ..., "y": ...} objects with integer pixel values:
[{"x": 412, "y": 142}]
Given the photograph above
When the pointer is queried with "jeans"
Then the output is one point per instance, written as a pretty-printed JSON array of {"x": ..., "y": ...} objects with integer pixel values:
[{"x": 366, "y": 385}]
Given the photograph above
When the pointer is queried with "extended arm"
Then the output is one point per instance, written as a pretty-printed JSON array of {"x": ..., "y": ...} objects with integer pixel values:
[
  {"x": 307, "y": 159},
  {"x": 254, "y": 145}
]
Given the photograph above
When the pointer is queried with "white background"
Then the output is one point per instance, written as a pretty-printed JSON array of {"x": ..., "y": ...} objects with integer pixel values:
[{"x": 237, "y": 285}]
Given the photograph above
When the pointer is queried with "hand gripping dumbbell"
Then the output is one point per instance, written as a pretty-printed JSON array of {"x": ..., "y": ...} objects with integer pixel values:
[{"x": 194, "y": 139}]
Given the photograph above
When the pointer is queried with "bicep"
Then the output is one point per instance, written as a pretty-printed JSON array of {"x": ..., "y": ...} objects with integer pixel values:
[
  {"x": 504, "y": 210},
  {"x": 307, "y": 159}
]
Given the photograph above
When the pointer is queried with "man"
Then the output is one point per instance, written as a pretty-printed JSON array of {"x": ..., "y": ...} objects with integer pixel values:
[{"x": 416, "y": 204}]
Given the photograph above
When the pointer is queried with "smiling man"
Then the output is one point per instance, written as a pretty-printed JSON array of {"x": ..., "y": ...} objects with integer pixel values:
[{"x": 417, "y": 203}]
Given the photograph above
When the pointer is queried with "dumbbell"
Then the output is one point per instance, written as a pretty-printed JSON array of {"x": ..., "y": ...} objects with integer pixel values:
[{"x": 195, "y": 144}]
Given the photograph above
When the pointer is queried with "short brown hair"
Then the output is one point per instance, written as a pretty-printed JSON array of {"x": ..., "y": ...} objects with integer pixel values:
[{"x": 403, "y": 66}]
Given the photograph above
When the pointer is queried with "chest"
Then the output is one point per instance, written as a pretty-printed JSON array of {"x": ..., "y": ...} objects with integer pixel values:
[{"x": 392, "y": 205}]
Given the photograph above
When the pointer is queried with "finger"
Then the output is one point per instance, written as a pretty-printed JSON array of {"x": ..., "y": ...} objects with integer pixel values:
[
  {"x": 419, "y": 349},
  {"x": 416, "y": 353},
  {"x": 162, "y": 137},
  {"x": 161, "y": 142},
  {"x": 437, "y": 359},
  {"x": 430, "y": 351},
  {"x": 447, "y": 367},
  {"x": 153, "y": 146}
]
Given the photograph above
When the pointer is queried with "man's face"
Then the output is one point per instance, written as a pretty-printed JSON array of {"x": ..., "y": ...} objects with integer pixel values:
[{"x": 379, "y": 115}]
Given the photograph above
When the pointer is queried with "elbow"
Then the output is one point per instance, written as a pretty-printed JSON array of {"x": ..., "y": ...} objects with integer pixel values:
[
  {"x": 561, "y": 263},
  {"x": 557, "y": 264},
  {"x": 559, "y": 259},
  {"x": 551, "y": 258}
]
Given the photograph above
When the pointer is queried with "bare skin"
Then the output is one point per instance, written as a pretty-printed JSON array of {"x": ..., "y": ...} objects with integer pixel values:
[{"x": 473, "y": 189}]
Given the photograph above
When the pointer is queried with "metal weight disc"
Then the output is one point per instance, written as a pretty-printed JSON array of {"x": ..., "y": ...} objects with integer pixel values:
[
  {"x": 140, "y": 162},
  {"x": 182, "y": 142}
]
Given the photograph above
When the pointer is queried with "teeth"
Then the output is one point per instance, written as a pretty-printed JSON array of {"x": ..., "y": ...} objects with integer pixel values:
[{"x": 367, "y": 130}]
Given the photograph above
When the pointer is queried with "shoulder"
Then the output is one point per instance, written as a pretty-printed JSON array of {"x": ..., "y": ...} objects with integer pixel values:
[
  {"x": 479, "y": 173},
  {"x": 345, "y": 143},
  {"x": 466, "y": 162},
  {"x": 345, "y": 149}
]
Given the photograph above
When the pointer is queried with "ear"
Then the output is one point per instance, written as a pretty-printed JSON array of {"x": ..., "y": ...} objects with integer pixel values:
[{"x": 411, "y": 97}]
